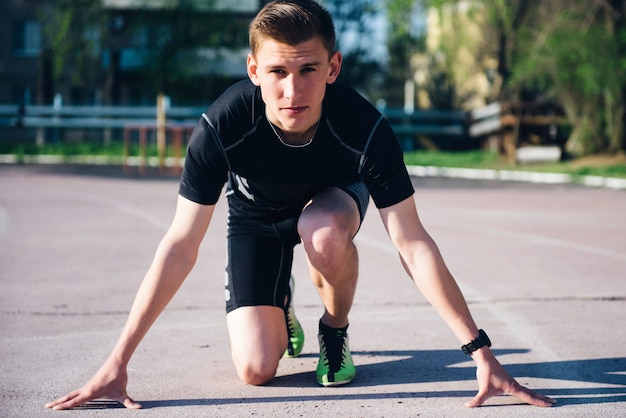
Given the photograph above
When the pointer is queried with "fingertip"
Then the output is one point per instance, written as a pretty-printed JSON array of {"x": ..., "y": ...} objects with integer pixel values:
[
  {"x": 550, "y": 401},
  {"x": 130, "y": 404},
  {"x": 474, "y": 403},
  {"x": 541, "y": 401}
]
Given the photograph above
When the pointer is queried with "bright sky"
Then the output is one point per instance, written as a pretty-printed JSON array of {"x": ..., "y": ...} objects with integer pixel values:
[{"x": 377, "y": 36}]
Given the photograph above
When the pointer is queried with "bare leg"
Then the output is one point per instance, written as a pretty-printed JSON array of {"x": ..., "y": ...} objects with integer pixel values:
[
  {"x": 258, "y": 339},
  {"x": 327, "y": 226}
]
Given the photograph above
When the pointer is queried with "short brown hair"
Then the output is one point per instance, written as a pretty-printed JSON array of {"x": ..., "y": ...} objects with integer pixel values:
[{"x": 292, "y": 22}]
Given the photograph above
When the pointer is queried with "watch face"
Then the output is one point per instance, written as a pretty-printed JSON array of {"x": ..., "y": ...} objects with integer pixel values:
[{"x": 483, "y": 339}]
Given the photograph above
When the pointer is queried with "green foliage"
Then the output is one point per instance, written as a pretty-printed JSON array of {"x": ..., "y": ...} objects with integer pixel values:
[
  {"x": 115, "y": 149},
  {"x": 582, "y": 61},
  {"x": 399, "y": 16},
  {"x": 492, "y": 161},
  {"x": 604, "y": 171},
  {"x": 572, "y": 52},
  {"x": 401, "y": 45},
  {"x": 73, "y": 30},
  {"x": 573, "y": 55},
  {"x": 463, "y": 159}
]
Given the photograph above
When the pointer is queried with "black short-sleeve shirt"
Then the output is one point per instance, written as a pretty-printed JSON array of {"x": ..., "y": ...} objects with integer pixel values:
[{"x": 233, "y": 142}]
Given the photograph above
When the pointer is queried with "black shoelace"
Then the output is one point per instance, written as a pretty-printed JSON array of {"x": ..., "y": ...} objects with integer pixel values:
[{"x": 332, "y": 343}]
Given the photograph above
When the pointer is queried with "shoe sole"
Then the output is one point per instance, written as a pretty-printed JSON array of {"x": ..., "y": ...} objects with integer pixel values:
[
  {"x": 295, "y": 355},
  {"x": 332, "y": 384}
]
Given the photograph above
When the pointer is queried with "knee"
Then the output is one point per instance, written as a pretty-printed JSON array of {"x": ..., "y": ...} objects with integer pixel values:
[
  {"x": 255, "y": 374},
  {"x": 326, "y": 242},
  {"x": 258, "y": 339}
]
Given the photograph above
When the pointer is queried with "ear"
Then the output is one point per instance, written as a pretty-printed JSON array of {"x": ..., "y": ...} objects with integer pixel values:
[
  {"x": 334, "y": 68},
  {"x": 252, "y": 69}
]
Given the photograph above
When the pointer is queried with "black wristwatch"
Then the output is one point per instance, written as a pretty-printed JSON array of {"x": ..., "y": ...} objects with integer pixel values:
[{"x": 480, "y": 341}]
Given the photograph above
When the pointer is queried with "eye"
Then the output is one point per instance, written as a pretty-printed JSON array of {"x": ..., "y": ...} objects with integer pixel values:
[{"x": 278, "y": 71}]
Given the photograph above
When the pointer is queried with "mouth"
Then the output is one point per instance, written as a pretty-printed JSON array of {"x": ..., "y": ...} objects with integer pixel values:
[{"x": 294, "y": 110}]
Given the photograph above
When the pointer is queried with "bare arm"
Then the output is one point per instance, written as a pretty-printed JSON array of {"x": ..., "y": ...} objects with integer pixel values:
[
  {"x": 423, "y": 262},
  {"x": 174, "y": 259}
]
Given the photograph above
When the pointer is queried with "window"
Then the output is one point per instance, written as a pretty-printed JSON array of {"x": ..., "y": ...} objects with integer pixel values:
[{"x": 26, "y": 38}]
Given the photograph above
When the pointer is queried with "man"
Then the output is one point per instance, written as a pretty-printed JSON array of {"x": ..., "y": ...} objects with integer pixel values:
[{"x": 301, "y": 157}]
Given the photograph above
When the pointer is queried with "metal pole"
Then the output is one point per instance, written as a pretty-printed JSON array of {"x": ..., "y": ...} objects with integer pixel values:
[{"x": 162, "y": 105}]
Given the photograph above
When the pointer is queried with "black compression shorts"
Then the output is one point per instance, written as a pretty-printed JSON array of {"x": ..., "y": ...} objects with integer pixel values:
[{"x": 260, "y": 256}]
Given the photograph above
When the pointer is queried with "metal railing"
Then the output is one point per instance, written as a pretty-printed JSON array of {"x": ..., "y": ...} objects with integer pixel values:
[
  {"x": 173, "y": 122},
  {"x": 455, "y": 123},
  {"x": 91, "y": 117},
  {"x": 460, "y": 123}
]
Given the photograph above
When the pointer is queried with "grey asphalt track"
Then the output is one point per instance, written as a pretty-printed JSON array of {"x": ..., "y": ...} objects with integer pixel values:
[{"x": 543, "y": 268}]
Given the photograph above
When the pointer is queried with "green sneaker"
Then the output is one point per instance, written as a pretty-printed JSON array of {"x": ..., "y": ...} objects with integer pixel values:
[
  {"x": 295, "y": 333},
  {"x": 335, "y": 366}
]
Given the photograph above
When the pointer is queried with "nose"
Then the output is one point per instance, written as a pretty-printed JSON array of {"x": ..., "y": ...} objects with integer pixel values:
[{"x": 291, "y": 88}]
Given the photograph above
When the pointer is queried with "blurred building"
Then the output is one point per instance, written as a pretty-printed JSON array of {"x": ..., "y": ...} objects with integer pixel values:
[
  {"x": 188, "y": 49},
  {"x": 20, "y": 30}
]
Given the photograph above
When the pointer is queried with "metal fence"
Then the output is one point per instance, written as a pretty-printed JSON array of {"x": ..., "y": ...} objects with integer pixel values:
[{"x": 473, "y": 123}]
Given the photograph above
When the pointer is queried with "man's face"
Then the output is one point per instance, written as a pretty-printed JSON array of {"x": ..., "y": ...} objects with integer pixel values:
[{"x": 293, "y": 83}]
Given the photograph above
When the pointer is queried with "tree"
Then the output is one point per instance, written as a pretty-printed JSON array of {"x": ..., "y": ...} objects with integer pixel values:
[
  {"x": 361, "y": 68},
  {"x": 574, "y": 52},
  {"x": 402, "y": 44},
  {"x": 171, "y": 46},
  {"x": 461, "y": 45},
  {"x": 73, "y": 31}
]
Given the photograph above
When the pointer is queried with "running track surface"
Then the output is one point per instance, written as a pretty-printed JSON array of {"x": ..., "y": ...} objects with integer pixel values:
[{"x": 543, "y": 268}]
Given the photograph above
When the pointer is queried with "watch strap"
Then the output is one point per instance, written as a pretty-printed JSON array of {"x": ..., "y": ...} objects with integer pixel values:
[{"x": 480, "y": 341}]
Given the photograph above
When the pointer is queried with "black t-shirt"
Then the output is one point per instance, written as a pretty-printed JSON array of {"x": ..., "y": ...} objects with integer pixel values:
[{"x": 267, "y": 179}]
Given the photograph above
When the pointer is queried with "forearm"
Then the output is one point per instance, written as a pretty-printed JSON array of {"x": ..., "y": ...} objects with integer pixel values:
[
  {"x": 168, "y": 270},
  {"x": 423, "y": 262},
  {"x": 427, "y": 268}
]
